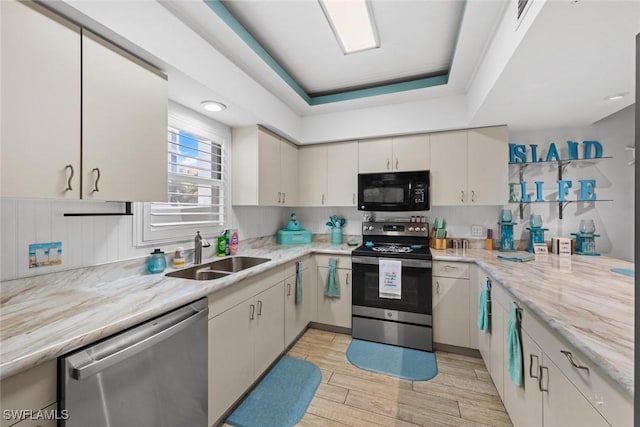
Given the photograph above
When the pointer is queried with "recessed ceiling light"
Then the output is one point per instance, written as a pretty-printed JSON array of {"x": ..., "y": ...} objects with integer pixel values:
[
  {"x": 352, "y": 23},
  {"x": 213, "y": 106},
  {"x": 616, "y": 96}
]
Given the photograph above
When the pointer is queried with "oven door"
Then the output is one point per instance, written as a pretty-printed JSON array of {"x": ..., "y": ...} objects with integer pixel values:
[{"x": 416, "y": 288}]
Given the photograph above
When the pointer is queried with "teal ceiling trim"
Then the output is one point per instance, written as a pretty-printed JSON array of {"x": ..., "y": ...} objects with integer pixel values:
[
  {"x": 381, "y": 90},
  {"x": 232, "y": 22}
]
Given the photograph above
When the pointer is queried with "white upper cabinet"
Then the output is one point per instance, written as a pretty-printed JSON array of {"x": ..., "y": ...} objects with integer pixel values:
[
  {"x": 411, "y": 153},
  {"x": 400, "y": 153},
  {"x": 289, "y": 173},
  {"x": 488, "y": 165},
  {"x": 342, "y": 174},
  {"x": 448, "y": 184},
  {"x": 76, "y": 109},
  {"x": 375, "y": 155},
  {"x": 269, "y": 189},
  {"x": 40, "y": 103},
  {"x": 124, "y": 125},
  {"x": 312, "y": 175},
  {"x": 265, "y": 168},
  {"x": 470, "y": 167}
]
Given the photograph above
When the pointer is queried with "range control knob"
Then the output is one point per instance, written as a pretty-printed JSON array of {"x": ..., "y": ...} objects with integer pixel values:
[
  {"x": 370, "y": 228},
  {"x": 423, "y": 229},
  {"x": 410, "y": 228}
]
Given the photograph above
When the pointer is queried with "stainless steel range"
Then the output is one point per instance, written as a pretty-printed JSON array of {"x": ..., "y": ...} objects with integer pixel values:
[{"x": 388, "y": 307}]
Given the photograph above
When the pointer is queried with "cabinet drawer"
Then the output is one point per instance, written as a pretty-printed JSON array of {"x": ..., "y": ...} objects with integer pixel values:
[
  {"x": 456, "y": 270},
  {"x": 613, "y": 403},
  {"x": 33, "y": 389},
  {"x": 344, "y": 261},
  {"x": 233, "y": 295},
  {"x": 290, "y": 268}
]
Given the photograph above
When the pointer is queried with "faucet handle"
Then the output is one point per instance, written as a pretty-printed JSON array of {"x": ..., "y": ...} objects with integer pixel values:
[{"x": 204, "y": 242}]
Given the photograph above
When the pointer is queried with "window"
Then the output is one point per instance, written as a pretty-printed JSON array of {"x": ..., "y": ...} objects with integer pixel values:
[{"x": 197, "y": 183}]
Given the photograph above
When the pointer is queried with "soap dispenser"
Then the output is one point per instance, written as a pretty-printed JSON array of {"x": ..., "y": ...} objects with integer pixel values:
[{"x": 156, "y": 262}]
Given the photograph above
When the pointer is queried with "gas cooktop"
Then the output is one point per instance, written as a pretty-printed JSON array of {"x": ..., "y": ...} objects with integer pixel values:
[{"x": 395, "y": 240}]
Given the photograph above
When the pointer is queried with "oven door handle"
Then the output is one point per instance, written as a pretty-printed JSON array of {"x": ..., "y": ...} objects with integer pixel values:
[{"x": 417, "y": 263}]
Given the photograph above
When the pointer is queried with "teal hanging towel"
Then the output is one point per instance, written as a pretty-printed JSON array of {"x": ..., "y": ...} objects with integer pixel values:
[
  {"x": 483, "y": 307},
  {"x": 332, "y": 288},
  {"x": 299, "y": 282},
  {"x": 514, "y": 351}
]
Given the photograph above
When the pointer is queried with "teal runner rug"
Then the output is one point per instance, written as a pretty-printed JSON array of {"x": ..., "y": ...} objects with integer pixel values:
[
  {"x": 405, "y": 363},
  {"x": 281, "y": 398}
]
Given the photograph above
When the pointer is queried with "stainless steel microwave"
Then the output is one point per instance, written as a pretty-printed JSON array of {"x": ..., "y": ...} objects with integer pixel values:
[{"x": 393, "y": 191}]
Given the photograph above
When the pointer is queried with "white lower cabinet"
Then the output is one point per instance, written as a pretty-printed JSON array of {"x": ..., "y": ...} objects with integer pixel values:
[
  {"x": 525, "y": 403},
  {"x": 335, "y": 311},
  {"x": 553, "y": 392},
  {"x": 562, "y": 404},
  {"x": 298, "y": 316},
  {"x": 243, "y": 341},
  {"x": 497, "y": 346},
  {"x": 451, "y": 311},
  {"x": 33, "y": 389}
]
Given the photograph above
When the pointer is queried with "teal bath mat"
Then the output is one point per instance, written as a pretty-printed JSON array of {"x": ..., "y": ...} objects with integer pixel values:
[
  {"x": 405, "y": 363},
  {"x": 281, "y": 398},
  {"x": 624, "y": 271}
]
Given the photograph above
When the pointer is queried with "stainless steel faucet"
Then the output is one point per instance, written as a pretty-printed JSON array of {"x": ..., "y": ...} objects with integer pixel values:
[{"x": 200, "y": 243}]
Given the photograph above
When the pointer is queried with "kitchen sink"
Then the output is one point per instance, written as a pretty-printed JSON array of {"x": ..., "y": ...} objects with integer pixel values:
[
  {"x": 236, "y": 263},
  {"x": 218, "y": 269}
]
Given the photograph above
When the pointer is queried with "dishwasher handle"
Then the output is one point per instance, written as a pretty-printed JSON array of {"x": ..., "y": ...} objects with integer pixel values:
[{"x": 178, "y": 323}]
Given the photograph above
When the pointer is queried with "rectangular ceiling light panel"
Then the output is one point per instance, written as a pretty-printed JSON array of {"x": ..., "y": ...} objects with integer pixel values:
[{"x": 352, "y": 23}]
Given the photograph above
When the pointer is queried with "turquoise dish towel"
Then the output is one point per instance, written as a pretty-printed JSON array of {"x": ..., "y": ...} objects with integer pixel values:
[
  {"x": 483, "y": 307},
  {"x": 514, "y": 351},
  {"x": 332, "y": 288},
  {"x": 299, "y": 282}
]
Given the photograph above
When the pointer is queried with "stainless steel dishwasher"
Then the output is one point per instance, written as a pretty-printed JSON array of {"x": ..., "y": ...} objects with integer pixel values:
[{"x": 152, "y": 375}]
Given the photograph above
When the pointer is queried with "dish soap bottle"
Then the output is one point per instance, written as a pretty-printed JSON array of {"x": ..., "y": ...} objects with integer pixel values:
[
  {"x": 222, "y": 244},
  {"x": 156, "y": 262},
  {"x": 234, "y": 242}
]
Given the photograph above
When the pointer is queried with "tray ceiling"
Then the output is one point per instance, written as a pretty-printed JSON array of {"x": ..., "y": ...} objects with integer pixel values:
[{"x": 417, "y": 46}]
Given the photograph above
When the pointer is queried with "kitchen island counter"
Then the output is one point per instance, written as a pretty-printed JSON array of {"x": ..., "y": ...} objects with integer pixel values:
[{"x": 579, "y": 297}]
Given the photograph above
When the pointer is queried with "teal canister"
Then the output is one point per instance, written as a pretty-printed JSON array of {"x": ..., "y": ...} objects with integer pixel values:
[
  {"x": 336, "y": 235},
  {"x": 156, "y": 262}
]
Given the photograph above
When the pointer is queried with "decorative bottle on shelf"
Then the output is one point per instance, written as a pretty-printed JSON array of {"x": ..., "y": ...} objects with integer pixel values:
[
  {"x": 536, "y": 232},
  {"x": 506, "y": 231}
]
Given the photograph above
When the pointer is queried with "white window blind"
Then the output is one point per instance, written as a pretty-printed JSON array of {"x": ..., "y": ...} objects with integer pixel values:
[{"x": 196, "y": 188}]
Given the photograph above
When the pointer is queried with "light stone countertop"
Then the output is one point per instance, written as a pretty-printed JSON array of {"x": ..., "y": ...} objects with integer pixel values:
[
  {"x": 46, "y": 316},
  {"x": 579, "y": 297}
]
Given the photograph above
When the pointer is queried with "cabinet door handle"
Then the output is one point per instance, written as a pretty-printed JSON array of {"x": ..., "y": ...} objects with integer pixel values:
[
  {"x": 437, "y": 287},
  {"x": 252, "y": 310},
  {"x": 388, "y": 164},
  {"x": 396, "y": 163},
  {"x": 279, "y": 197},
  {"x": 353, "y": 199},
  {"x": 288, "y": 289},
  {"x": 259, "y": 308},
  {"x": 540, "y": 379},
  {"x": 95, "y": 184},
  {"x": 70, "y": 178},
  {"x": 347, "y": 281},
  {"x": 531, "y": 356},
  {"x": 450, "y": 267},
  {"x": 473, "y": 196},
  {"x": 462, "y": 196},
  {"x": 569, "y": 356},
  {"x": 323, "y": 199},
  {"x": 284, "y": 197}
]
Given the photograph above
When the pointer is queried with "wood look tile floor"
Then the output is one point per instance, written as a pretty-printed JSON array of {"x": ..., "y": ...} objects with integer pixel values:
[{"x": 462, "y": 393}]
